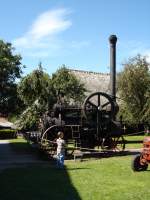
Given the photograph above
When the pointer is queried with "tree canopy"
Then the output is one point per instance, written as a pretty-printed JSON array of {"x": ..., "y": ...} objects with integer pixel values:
[
  {"x": 133, "y": 85},
  {"x": 36, "y": 86},
  {"x": 10, "y": 70},
  {"x": 67, "y": 84}
]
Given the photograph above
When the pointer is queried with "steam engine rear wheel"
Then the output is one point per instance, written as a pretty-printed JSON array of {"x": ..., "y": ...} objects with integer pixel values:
[
  {"x": 113, "y": 143},
  {"x": 50, "y": 136},
  {"x": 48, "y": 139}
]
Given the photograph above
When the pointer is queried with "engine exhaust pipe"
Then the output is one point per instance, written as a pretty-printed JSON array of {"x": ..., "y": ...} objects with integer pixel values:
[{"x": 113, "y": 41}]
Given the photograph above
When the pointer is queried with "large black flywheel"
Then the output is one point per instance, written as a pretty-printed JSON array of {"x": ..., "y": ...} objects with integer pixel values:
[{"x": 100, "y": 108}]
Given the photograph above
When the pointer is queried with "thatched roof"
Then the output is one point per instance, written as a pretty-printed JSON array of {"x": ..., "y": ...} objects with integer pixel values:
[{"x": 94, "y": 82}]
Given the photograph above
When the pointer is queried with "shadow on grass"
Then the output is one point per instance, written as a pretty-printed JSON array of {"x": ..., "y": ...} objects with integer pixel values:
[
  {"x": 21, "y": 147},
  {"x": 72, "y": 169},
  {"x": 121, "y": 153},
  {"x": 37, "y": 183},
  {"x": 29, "y": 182},
  {"x": 105, "y": 154}
]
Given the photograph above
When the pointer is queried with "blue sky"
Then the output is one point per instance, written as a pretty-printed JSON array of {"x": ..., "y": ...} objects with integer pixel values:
[{"x": 75, "y": 32}]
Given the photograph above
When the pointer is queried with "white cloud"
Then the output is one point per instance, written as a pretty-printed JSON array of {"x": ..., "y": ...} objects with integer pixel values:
[
  {"x": 132, "y": 48},
  {"x": 44, "y": 28},
  {"x": 147, "y": 54},
  {"x": 49, "y": 23},
  {"x": 143, "y": 50},
  {"x": 43, "y": 39}
]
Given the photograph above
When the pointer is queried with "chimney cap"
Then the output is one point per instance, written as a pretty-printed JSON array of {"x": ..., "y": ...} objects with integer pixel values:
[{"x": 113, "y": 39}]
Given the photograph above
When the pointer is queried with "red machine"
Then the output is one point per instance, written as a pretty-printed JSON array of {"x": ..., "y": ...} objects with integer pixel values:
[{"x": 140, "y": 161}]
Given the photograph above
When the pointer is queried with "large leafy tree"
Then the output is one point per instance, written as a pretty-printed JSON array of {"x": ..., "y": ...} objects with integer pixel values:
[
  {"x": 146, "y": 110},
  {"x": 67, "y": 84},
  {"x": 36, "y": 88},
  {"x": 36, "y": 91},
  {"x": 10, "y": 70},
  {"x": 29, "y": 118},
  {"x": 133, "y": 85}
]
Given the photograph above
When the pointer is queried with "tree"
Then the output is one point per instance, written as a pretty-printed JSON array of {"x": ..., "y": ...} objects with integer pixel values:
[
  {"x": 36, "y": 86},
  {"x": 36, "y": 91},
  {"x": 29, "y": 118},
  {"x": 67, "y": 84},
  {"x": 133, "y": 86},
  {"x": 10, "y": 70},
  {"x": 146, "y": 110}
]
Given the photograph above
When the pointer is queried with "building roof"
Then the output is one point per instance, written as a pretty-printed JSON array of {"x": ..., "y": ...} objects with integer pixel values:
[
  {"x": 93, "y": 81},
  {"x": 4, "y": 123}
]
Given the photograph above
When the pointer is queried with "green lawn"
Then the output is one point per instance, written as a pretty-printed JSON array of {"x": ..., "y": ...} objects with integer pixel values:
[
  {"x": 103, "y": 179},
  {"x": 134, "y": 138},
  {"x": 7, "y": 133}
]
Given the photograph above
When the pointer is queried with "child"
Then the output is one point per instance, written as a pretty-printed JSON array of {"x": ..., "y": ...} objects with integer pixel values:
[{"x": 60, "y": 150}]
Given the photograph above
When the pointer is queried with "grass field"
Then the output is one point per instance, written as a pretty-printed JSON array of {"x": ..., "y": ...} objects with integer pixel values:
[
  {"x": 134, "y": 138},
  {"x": 103, "y": 179}
]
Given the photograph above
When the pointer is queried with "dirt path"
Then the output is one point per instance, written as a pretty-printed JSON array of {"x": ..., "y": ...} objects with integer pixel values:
[{"x": 9, "y": 158}]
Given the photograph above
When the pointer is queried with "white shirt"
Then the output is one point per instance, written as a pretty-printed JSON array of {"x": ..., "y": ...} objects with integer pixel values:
[{"x": 60, "y": 146}]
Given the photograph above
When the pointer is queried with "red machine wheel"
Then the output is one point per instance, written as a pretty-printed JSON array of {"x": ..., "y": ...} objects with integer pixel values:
[{"x": 136, "y": 165}]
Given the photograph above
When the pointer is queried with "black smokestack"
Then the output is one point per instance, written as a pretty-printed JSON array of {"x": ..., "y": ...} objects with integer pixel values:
[{"x": 113, "y": 41}]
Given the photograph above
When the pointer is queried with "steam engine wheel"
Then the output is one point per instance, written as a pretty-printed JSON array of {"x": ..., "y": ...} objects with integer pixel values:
[
  {"x": 99, "y": 106},
  {"x": 116, "y": 144}
]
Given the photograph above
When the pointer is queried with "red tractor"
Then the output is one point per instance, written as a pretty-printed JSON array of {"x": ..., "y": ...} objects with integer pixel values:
[{"x": 140, "y": 161}]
